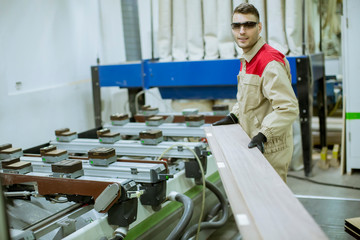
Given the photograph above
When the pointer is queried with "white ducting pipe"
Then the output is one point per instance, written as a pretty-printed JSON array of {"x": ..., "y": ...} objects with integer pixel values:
[
  {"x": 210, "y": 29},
  {"x": 179, "y": 38},
  {"x": 276, "y": 25},
  {"x": 165, "y": 30},
  {"x": 226, "y": 42},
  {"x": 293, "y": 26},
  {"x": 194, "y": 28}
]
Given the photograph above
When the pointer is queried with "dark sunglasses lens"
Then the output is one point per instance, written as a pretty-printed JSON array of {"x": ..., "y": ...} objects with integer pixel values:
[
  {"x": 235, "y": 25},
  {"x": 249, "y": 24}
]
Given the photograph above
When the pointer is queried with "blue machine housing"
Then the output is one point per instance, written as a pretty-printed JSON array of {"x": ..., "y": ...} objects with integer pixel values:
[
  {"x": 125, "y": 75},
  {"x": 205, "y": 79}
]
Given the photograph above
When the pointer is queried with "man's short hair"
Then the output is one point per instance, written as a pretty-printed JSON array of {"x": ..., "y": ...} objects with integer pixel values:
[{"x": 247, "y": 8}]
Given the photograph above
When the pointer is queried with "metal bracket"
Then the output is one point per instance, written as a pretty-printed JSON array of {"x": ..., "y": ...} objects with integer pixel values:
[
  {"x": 135, "y": 194},
  {"x": 67, "y": 226},
  {"x": 163, "y": 177},
  {"x": 107, "y": 197}
]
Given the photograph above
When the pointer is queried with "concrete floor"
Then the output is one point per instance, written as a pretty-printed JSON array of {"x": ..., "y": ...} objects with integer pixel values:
[
  {"x": 328, "y": 205},
  {"x": 330, "y": 175}
]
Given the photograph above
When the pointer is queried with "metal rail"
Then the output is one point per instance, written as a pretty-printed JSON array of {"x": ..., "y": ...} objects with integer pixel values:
[{"x": 131, "y": 148}]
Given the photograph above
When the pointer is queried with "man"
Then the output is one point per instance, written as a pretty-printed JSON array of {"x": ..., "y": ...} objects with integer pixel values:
[{"x": 266, "y": 104}]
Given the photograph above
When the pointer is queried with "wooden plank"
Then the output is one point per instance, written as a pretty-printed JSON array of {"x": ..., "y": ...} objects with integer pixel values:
[
  {"x": 353, "y": 224},
  {"x": 243, "y": 218},
  {"x": 267, "y": 204},
  {"x": 352, "y": 233}
]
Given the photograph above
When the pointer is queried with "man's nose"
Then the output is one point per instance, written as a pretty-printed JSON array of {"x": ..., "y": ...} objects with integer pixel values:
[{"x": 242, "y": 29}]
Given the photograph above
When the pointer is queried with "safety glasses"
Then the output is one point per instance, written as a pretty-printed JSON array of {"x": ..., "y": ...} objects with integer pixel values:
[{"x": 247, "y": 25}]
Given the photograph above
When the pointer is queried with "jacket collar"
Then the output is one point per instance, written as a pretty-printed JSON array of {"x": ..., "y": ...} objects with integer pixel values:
[{"x": 250, "y": 54}]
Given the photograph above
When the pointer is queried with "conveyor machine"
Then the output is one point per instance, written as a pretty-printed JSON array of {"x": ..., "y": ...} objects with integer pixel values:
[
  {"x": 109, "y": 176},
  {"x": 187, "y": 151},
  {"x": 115, "y": 196}
]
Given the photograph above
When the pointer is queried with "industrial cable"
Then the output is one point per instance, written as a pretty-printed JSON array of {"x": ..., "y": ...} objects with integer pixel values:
[
  {"x": 335, "y": 108},
  {"x": 202, "y": 177},
  {"x": 324, "y": 183},
  {"x": 208, "y": 225},
  {"x": 186, "y": 217},
  {"x": 154, "y": 95},
  {"x": 54, "y": 200},
  {"x": 136, "y": 100}
]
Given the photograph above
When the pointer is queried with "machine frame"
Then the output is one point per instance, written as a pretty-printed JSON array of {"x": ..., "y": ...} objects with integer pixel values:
[{"x": 216, "y": 79}]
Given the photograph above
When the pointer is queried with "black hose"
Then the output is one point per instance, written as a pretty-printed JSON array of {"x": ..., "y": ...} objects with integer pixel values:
[
  {"x": 213, "y": 212},
  {"x": 208, "y": 225},
  {"x": 185, "y": 219}
]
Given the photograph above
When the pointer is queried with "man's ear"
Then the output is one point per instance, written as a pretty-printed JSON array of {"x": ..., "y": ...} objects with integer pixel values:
[{"x": 260, "y": 26}]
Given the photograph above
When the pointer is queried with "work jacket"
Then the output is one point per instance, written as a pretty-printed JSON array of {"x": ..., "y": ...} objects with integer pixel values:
[{"x": 266, "y": 102}]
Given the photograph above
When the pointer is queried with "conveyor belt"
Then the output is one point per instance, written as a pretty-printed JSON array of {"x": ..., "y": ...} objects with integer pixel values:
[
  {"x": 145, "y": 172},
  {"x": 168, "y": 129},
  {"x": 131, "y": 148}
]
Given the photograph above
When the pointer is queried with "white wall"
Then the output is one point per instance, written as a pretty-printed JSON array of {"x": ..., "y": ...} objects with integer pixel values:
[{"x": 46, "y": 51}]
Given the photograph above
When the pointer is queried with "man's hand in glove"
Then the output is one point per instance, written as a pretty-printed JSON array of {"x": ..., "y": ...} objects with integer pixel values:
[
  {"x": 229, "y": 119},
  {"x": 258, "y": 141}
]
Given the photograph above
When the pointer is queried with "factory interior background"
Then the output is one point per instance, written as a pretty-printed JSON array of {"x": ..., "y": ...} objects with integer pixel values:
[{"x": 50, "y": 48}]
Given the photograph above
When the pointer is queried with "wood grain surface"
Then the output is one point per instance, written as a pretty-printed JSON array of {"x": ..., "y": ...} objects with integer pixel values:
[{"x": 263, "y": 205}]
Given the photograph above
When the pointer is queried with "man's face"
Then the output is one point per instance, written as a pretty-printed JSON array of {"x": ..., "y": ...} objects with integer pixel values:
[{"x": 246, "y": 30}]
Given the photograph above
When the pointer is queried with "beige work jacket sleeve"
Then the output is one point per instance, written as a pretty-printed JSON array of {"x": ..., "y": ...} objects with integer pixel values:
[
  {"x": 277, "y": 89},
  {"x": 235, "y": 109}
]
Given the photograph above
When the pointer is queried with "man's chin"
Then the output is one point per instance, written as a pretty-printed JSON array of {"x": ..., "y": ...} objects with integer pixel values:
[{"x": 242, "y": 45}]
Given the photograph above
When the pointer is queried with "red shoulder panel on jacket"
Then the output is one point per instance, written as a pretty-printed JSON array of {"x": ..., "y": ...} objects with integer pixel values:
[{"x": 265, "y": 55}]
